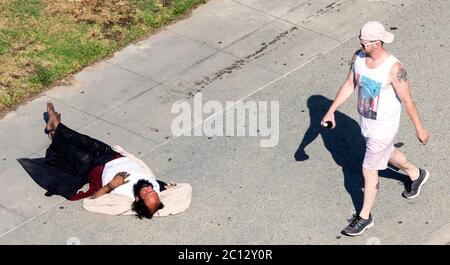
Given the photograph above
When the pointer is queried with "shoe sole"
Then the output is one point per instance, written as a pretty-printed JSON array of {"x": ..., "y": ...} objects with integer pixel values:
[
  {"x": 362, "y": 231},
  {"x": 427, "y": 176}
]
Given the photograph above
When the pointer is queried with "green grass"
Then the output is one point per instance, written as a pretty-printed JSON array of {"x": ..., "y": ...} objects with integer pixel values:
[
  {"x": 3, "y": 46},
  {"x": 42, "y": 41}
]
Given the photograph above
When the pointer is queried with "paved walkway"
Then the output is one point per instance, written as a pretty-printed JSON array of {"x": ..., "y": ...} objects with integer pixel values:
[{"x": 243, "y": 193}]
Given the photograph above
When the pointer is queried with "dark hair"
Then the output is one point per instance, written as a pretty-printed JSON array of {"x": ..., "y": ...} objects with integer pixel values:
[
  {"x": 142, "y": 210},
  {"x": 139, "y": 185},
  {"x": 138, "y": 205}
]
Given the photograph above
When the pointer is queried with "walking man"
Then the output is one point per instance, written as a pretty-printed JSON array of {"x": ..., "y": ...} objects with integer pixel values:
[{"x": 383, "y": 86}]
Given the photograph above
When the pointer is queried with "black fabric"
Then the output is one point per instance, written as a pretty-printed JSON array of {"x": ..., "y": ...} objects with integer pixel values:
[
  {"x": 162, "y": 185},
  {"x": 67, "y": 162}
]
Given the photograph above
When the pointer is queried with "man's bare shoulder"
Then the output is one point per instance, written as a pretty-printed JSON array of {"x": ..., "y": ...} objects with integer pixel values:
[
  {"x": 355, "y": 55},
  {"x": 397, "y": 66},
  {"x": 398, "y": 72}
]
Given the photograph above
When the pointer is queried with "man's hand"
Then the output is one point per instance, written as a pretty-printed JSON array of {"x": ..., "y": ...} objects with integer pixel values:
[
  {"x": 328, "y": 117},
  {"x": 119, "y": 179},
  {"x": 423, "y": 136}
]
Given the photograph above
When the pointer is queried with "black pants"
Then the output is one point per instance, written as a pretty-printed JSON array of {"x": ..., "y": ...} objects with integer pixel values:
[
  {"x": 68, "y": 161},
  {"x": 74, "y": 152}
]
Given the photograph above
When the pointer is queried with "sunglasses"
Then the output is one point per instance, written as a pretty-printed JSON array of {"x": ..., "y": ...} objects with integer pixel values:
[{"x": 365, "y": 43}]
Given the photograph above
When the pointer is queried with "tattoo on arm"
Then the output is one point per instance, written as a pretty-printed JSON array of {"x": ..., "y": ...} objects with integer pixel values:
[
  {"x": 378, "y": 186},
  {"x": 402, "y": 75}
]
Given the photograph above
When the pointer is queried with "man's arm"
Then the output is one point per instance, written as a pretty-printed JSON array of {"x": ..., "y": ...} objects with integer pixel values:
[
  {"x": 399, "y": 80},
  {"x": 102, "y": 191},
  {"x": 344, "y": 93},
  {"x": 118, "y": 180}
]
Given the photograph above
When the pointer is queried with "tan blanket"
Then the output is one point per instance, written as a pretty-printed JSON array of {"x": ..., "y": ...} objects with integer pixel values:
[{"x": 176, "y": 198}]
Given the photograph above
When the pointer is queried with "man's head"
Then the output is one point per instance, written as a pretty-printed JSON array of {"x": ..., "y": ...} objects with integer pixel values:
[
  {"x": 373, "y": 35},
  {"x": 147, "y": 200}
]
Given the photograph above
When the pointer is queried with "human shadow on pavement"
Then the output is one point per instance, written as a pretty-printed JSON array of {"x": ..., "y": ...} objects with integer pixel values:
[{"x": 345, "y": 143}]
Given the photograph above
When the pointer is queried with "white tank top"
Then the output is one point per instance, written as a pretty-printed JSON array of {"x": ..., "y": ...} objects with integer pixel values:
[{"x": 378, "y": 104}]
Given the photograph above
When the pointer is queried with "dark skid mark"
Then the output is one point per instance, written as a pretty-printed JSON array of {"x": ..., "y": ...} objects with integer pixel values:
[
  {"x": 153, "y": 129},
  {"x": 322, "y": 11},
  {"x": 330, "y": 5},
  {"x": 399, "y": 144},
  {"x": 238, "y": 64}
]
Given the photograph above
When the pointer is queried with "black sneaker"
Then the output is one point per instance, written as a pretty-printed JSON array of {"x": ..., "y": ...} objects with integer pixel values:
[
  {"x": 417, "y": 184},
  {"x": 358, "y": 225}
]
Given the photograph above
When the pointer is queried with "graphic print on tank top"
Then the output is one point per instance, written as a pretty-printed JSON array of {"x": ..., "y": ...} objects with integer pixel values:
[{"x": 368, "y": 96}]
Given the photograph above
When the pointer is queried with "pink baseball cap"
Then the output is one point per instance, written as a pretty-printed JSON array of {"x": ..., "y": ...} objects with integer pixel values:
[{"x": 374, "y": 30}]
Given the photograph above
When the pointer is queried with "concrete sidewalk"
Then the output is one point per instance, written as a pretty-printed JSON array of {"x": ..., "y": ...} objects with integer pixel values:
[{"x": 243, "y": 194}]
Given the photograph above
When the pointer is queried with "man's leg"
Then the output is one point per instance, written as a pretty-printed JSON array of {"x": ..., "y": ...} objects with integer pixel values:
[
  {"x": 63, "y": 134},
  {"x": 399, "y": 160},
  {"x": 364, "y": 220},
  {"x": 376, "y": 157},
  {"x": 71, "y": 151},
  {"x": 417, "y": 175},
  {"x": 81, "y": 141},
  {"x": 371, "y": 187}
]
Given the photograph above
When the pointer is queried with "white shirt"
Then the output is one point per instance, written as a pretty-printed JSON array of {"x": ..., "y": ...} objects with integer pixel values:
[
  {"x": 378, "y": 104},
  {"x": 136, "y": 173}
]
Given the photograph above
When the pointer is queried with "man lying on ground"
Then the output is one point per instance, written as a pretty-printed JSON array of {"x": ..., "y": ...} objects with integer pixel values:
[{"x": 73, "y": 160}]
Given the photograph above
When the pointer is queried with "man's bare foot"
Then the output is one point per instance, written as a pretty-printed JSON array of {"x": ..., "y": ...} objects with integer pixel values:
[
  {"x": 53, "y": 119},
  {"x": 51, "y": 134}
]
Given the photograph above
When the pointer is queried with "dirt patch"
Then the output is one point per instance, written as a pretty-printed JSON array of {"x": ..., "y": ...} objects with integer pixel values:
[{"x": 110, "y": 15}]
